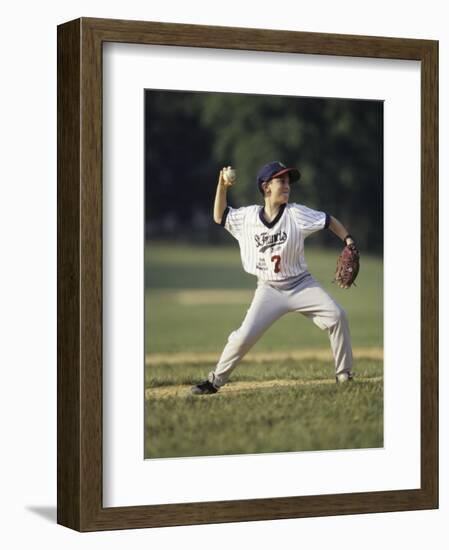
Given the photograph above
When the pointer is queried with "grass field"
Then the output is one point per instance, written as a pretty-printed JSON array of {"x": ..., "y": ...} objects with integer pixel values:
[
  {"x": 283, "y": 397},
  {"x": 267, "y": 408}
]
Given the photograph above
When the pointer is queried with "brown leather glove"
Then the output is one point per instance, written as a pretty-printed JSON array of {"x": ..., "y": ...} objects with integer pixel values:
[{"x": 348, "y": 265}]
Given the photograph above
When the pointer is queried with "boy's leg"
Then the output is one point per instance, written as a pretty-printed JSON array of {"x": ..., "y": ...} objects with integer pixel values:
[
  {"x": 314, "y": 302},
  {"x": 267, "y": 306}
]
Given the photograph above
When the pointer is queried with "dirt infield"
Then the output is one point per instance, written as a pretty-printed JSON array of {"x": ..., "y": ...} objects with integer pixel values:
[
  {"x": 216, "y": 296},
  {"x": 259, "y": 357},
  {"x": 241, "y": 387}
]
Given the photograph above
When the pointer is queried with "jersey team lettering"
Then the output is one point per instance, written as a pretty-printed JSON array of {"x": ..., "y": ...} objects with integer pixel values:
[
  {"x": 266, "y": 241},
  {"x": 282, "y": 239}
]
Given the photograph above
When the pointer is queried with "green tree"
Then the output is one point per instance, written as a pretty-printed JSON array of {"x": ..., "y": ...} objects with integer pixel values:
[{"x": 337, "y": 144}]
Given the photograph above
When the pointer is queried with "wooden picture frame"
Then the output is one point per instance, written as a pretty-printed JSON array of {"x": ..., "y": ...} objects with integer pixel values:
[{"x": 80, "y": 350}]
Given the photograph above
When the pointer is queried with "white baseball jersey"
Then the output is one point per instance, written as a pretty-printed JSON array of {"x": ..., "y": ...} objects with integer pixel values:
[{"x": 273, "y": 251}]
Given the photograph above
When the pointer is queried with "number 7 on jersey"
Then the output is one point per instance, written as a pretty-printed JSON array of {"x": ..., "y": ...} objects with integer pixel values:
[{"x": 277, "y": 265}]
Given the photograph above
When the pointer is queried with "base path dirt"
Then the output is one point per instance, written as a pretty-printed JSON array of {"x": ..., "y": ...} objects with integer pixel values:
[
  {"x": 258, "y": 357},
  {"x": 241, "y": 387}
]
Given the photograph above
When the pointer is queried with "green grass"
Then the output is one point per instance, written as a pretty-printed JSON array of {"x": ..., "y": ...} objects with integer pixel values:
[
  {"x": 309, "y": 413},
  {"x": 171, "y": 326},
  {"x": 314, "y": 415}
]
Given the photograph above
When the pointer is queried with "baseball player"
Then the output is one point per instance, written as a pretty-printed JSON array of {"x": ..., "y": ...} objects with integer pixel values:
[{"x": 271, "y": 240}]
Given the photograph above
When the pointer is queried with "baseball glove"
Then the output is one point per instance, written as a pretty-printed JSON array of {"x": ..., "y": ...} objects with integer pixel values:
[{"x": 348, "y": 265}]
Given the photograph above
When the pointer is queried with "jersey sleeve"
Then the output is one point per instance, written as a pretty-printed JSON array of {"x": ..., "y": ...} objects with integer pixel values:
[
  {"x": 233, "y": 220},
  {"x": 310, "y": 220}
]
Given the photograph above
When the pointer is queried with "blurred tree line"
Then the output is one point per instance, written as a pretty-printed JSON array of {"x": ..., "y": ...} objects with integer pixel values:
[{"x": 337, "y": 144}]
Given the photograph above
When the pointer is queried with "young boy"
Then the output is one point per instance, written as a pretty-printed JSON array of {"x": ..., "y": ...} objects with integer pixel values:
[{"x": 271, "y": 240}]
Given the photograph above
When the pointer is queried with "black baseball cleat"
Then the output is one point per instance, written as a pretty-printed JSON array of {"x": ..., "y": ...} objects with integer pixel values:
[{"x": 204, "y": 388}]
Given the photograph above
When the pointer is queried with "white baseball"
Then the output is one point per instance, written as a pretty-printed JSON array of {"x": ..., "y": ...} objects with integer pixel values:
[{"x": 230, "y": 175}]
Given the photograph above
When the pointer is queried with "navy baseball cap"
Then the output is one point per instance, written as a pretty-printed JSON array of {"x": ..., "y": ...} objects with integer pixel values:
[{"x": 274, "y": 169}]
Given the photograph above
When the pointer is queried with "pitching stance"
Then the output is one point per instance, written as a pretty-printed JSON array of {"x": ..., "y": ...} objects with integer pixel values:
[{"x": 271, "y": 240}]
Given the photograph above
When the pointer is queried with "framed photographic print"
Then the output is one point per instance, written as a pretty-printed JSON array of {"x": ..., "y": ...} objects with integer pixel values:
[{"x": 209, "y": 367}]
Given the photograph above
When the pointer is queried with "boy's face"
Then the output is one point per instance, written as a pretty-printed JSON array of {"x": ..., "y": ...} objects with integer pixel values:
[{"x": 278, "y": 188}]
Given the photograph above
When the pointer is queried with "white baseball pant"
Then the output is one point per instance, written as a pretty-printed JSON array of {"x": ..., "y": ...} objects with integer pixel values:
[{"x": 268, "y": 305}]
